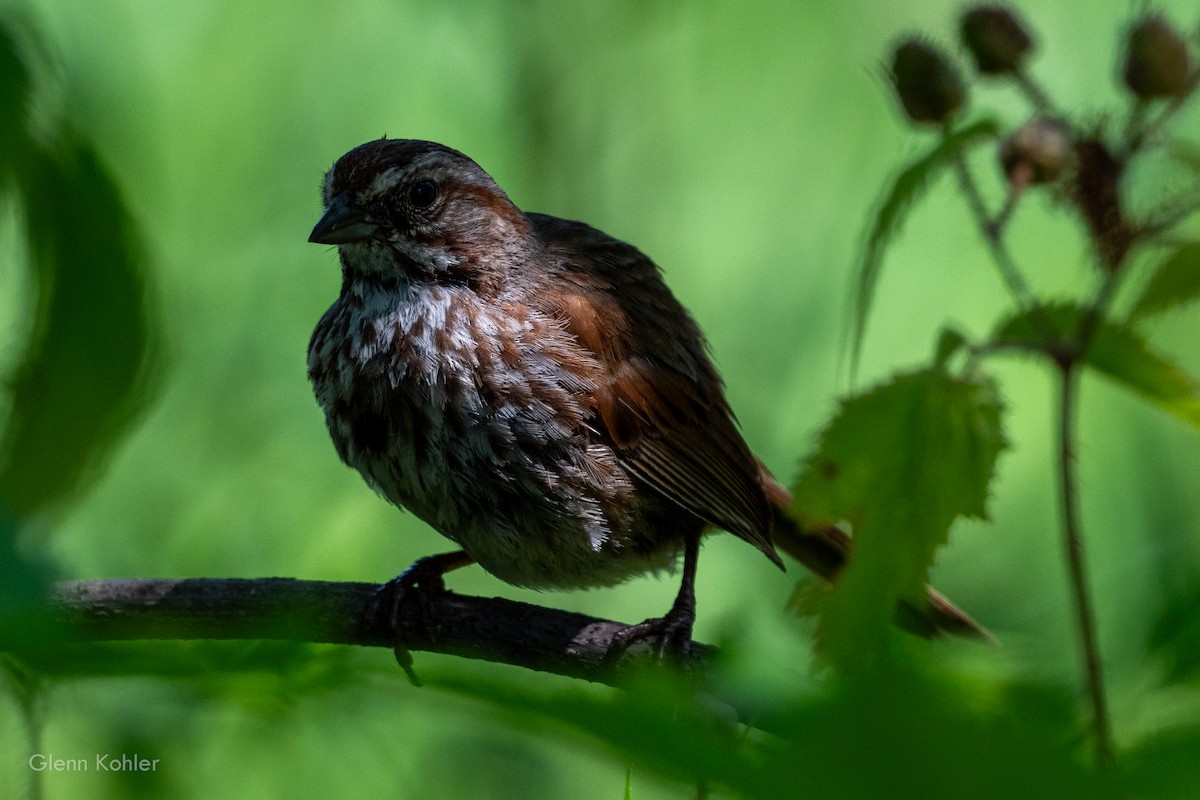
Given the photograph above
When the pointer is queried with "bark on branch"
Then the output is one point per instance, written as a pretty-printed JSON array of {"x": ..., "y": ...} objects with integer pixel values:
[{"x": 491, "y": 629}]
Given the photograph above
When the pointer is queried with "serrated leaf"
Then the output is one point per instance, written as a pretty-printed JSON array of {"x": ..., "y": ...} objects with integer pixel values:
[
  {"x": 905, "y": 190},
  {"x": 1040, "y": 329},
  {"x": 1175, "y": 282},
  {"x": 82, "y": 375},
  {"x": 1117, "y": 351},
  {"x": 900, "y": 463}
]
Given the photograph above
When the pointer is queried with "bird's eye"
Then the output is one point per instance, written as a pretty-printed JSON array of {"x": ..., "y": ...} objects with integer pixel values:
[{"x": 422, "y": 194}]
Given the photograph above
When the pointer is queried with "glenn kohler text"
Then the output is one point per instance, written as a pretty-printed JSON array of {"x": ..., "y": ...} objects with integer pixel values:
[{"x": 103, "y": 762}]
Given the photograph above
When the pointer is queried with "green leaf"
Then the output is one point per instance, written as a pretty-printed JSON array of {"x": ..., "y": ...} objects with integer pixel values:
[
  {"x": 1163, "y": 764},
  {"x": 1116, "y": 351},
  {"x": 25, "y": 581},
  {"x": 1185, "y": 153},
  {"x": 81, "y": 377},
  {"x": 906, "y": 189},
  {"x": 1041, "y": 329},
  {"x": 659, "y": 721},
  {"x": 950, "y": 341},
  {"x": 900, "y": 463},
  {"x": 1175, "y": 282},
  {"x": 14, "y": 102},
  {"x": 1122, "y": 355},
  {"x": 1175, "y": 634},
  {"x": 898, "y": 734}
]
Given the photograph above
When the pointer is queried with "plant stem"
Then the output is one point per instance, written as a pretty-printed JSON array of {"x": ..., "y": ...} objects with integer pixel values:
[
  {"x": 1073, "y": 541},
  {"x": 992, "y": 229},
  {"x": 993, "y": 235},
  {"x": 1037, "y": 98},
  {"x": 1068, "y": 363},
  {"x": 1171, "y": 212},
  {"x": 1141, "y": 132},
  {"x": 1135, "y": 126}
]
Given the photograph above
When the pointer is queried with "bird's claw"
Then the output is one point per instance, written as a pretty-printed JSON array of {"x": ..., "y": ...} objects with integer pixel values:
[
  {"x": 420, "y": 583},
  {"x": 673, "y": 631}
]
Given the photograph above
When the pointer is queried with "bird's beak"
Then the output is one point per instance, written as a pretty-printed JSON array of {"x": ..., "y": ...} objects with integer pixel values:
[{"x": 343, "y": 222}]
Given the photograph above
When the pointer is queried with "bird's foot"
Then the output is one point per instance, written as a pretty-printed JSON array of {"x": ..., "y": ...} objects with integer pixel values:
[
  {"x": 673, "y": 632},
  {"x": 419, "y": 585}
]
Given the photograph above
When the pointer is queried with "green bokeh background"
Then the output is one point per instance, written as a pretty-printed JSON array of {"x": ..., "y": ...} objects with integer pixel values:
[{"x": 742, "y": 145}]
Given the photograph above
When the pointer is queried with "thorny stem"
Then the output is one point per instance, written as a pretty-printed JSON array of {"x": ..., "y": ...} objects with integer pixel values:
[
  {"x": 993, "y": 234},
  {"x": 1139, "y": 134},
  {"x": 1068, "y": 365},
  {"x": 1068, "y": 357},
  {"x": 1068, "y": 360},
  {"x": 1019, "y": 181},
  {"x": 992, "y": 229},
  {"x": 1173, "y": 211},
  {"x": 1095, "y": 313},
  {"x": 1073, "y": 541},
  {"x": 1037, "y": 98},
  {"x": 1135, "y": 126}
]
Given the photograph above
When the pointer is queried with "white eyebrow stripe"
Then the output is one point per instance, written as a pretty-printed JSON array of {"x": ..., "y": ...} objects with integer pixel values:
[{"x": 384, "y": 182}]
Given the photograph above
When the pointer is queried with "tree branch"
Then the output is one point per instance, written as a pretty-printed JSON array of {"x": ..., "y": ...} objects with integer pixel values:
[{"x": 492, "y": 629}]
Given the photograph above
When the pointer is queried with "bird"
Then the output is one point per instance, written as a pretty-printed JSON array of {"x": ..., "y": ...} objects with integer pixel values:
[{"x": 531, "y": 388}]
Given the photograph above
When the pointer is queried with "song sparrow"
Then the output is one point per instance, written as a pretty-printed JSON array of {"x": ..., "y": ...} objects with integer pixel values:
[{"x": 528, "y": 386}]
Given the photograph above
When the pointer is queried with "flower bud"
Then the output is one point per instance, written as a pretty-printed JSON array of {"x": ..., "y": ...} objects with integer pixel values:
[
  {"x": 928, "y": 85},
  {"x": 1037, "y": 152},
  {"x": 996, "y": 39},
  {"x": 1157, "y": 63}
]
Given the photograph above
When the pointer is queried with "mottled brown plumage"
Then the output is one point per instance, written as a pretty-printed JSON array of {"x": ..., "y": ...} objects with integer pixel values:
[{"x": 526, "y": 385}]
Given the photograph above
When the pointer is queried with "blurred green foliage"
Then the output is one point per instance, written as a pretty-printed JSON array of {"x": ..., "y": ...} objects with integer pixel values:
[
  {"x": 80, "y": 380},
  {"x": 907, "y": 187},
  {"x": 742, "y": 145},
  {"x": 1118, "y": 352},
  {"x": 873, "y": 467}
]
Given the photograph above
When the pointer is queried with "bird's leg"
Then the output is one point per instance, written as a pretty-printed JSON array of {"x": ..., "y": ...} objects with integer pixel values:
[
  {"x": 421, "y": 581},
  {"x": 674, "y": 630}
]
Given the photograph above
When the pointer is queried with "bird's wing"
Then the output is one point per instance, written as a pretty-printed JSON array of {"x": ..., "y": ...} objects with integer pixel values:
[{"x": 659, "y": 401}]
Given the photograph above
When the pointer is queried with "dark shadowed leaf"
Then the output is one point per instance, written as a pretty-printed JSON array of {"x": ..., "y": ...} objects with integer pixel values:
[
  {"x": 81, "y": 376},
  {"x": 25, "y": 579},
  {"x": 1040, "y": 329},
  {"x": 1175, "y": 282},
  {"x": 900, "y": 463},
  {"x": 1163, "y": 765},
  {"x": 898, "y": 735},
  {"x": 950, "y": 341},
  {"x": 658, "y": 722},
  {"x": 906, "y": 189},
  {"x": 1175, "y": 635},
  {"x": 14, "y": 101},
  {"x": 1117, "y": 351}
]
